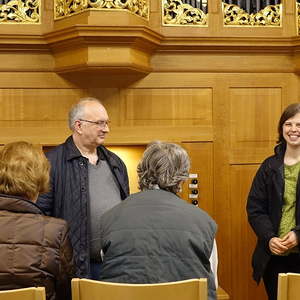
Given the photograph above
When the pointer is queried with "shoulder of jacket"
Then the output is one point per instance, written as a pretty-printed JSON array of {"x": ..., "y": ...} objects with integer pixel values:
[
  {"x": 54, "y": 152},
  {"x": 271, "y": 162},
  {"x": 55, "y": 221}
]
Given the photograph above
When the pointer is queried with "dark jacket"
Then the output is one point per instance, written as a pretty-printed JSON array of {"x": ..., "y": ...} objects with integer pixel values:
[
  {"x": 34, "y": 249},
  {"x": 264, "y": 208},
  {"x": 69, "y": 194},
  {"x": 154, "y": 236}
]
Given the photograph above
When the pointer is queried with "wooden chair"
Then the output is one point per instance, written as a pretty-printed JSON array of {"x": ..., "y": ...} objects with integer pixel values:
[
  {"x": 288, "y": 286},
  {"x": 192, "y": 289},
  {"x": 32, "y": 293}
]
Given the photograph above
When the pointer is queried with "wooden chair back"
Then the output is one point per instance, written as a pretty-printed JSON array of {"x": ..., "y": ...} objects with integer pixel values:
[
  {"x": 288, "y": 286},
  {"x": 32, "y": 293},
  {"x": 192, "y": 289}
]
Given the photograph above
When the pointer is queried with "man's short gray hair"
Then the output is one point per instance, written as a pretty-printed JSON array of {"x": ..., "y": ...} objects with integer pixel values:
[
  {"x": 165, "y": 165},
  {"x": 77, "y": 111}
]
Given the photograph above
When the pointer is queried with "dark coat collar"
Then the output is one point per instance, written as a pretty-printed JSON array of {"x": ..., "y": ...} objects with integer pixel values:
[
  {"x": 73, "y": 151},
  {"x": 18, "y": 205}
]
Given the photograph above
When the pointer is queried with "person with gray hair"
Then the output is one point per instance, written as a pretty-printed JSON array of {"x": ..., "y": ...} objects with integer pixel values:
[
  {"x": 154, "y": 236},
  {"x": 86, "y": 180}
]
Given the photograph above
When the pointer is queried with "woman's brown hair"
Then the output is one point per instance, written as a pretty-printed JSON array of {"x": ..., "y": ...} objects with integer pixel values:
[{"x": 24, "y": 170}]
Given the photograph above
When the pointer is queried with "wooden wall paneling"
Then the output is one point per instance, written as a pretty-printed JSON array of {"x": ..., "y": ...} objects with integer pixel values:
[
  {"x": 167, "y": 114},
  {"x": 168, "y": 107},
  {"x": 290, "y": 90},
  {"x": 201, "y": 156},
  {"x": 256, "y": 103},
  {"x": 176, "y": 80},
  {"x": 223, "y": 210},
  {"x": 254, "y": 113},
  {"x": 26, "y": 61},
  {"x": 226, "y": 59},
  {"x": 243, "y": 238},
  {"x": 35, "y": 80},
  {"x": 37, "y": 115},
  {"x": 144, "y": 135},
  {"x": 45, "y": 105}
]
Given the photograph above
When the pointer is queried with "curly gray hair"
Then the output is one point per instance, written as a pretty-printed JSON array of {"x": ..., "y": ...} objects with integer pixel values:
[
  {"x": 77, "y": 111},
  {"x": 165, "y": 165}
]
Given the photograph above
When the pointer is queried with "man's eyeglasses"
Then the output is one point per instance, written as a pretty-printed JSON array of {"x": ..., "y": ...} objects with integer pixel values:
[{"x": 101, "y": 124}]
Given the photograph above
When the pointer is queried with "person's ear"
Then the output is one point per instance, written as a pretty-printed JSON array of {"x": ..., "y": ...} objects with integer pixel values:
[{"x": 78, "y": 126}]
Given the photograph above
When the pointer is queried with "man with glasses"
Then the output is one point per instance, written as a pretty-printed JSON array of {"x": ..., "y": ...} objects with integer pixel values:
[{"x": 86, "y": 180}]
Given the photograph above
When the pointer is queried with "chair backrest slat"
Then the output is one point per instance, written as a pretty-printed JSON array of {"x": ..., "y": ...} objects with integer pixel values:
[
  {"x": 193, "y": 289},
  {"x": 288, "y": 286},
  {"x": 31, "y": 293}
]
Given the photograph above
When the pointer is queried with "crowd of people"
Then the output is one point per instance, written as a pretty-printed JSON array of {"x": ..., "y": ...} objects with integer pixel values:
[{"x": 70, "y": 213}]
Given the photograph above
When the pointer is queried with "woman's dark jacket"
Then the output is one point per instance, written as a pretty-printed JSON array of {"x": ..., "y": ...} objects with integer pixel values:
[
  {"x": 69, "y": 194},
  {"x": 34, "y": 249},
  {"x": 154, "y": 236},
  {"x": 264, "y": 208}
]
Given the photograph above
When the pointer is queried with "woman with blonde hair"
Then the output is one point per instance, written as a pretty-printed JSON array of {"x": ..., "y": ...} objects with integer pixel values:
[{"x": 34, "y": 248}]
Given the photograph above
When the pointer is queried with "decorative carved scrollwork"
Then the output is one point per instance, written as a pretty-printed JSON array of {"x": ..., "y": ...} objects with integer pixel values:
[
  {"x": 65, "y": 8},
  {"x": 20, "y": 11},
  {"x": 177, "y": 13},
  {"x": 269, "y": 16}
]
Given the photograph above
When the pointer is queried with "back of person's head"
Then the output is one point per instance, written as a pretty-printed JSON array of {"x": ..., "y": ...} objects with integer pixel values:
[
  {"x": 77, "y": 111},
  {"x": 24, "y": 170},
  {"x": 289, "y": 112},
  {"x": 164, "y": 165}
]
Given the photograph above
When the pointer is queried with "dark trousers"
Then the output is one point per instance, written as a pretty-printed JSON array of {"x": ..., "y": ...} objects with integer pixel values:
[{"x": 276, "y": 265}]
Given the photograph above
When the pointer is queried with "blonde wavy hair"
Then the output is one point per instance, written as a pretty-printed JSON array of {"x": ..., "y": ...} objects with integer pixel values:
[{"x": 24, "y": 170}]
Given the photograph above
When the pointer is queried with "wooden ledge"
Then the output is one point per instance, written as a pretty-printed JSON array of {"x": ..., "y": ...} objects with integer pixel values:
[{"x": 113, "y": 49}]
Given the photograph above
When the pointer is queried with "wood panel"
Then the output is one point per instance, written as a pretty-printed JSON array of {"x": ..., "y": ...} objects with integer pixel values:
[
  {"x": 44, "y": 105},
  {"x": 35, "y": 80},
  {"x": 131, "y": 155},
  {"x": 143, "y": 115},
  {"x": 161, "y": 107},
  {"x": 201, "y": 156},
  {"x": 223, "y": 60},
  {"x": 221, "y": 183},
  {"x": 243, "y": 238},
  {"x": 29, "y": 61},
  {"x": 37, "y": 115},
  {"x": 254, "y": 114}
]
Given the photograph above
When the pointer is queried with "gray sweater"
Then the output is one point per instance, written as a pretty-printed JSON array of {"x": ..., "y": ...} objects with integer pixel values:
[{"x": 154, "y": 236}]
